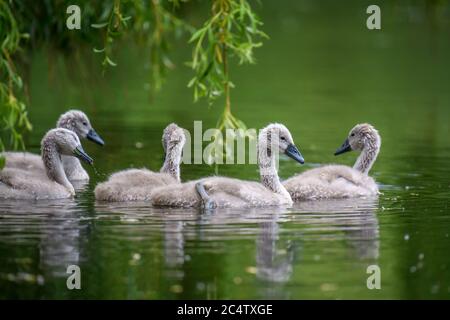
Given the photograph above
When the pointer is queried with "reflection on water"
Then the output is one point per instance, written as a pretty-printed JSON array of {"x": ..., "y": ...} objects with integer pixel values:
[
  {"x": 356, "y": 217},
  {"x": 53, "y": 227},
  {"x": 272, "y": 251},
  {"x": 273, "y": 259},
  {"x": 172, "y": 253}
]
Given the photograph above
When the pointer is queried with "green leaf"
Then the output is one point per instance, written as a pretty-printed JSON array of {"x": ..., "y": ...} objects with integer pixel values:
[
  {"x": 110, "y": 62},
  {"x": 99, "y": 25},
  {"x": 191, "y": 82},
  {"x": 198, "y": 34}
]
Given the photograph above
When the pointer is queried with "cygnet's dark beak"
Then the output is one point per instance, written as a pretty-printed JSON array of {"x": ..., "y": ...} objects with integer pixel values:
[
  {"x": 93, "y": 136},
  {"x": 80, "y": 154},
  {"x": 292, "y": 152},
  {"x": 344, "y": 148}
]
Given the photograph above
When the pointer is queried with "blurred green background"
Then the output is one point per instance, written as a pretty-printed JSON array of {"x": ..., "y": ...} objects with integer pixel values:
[{"x": 321, "y": 72}]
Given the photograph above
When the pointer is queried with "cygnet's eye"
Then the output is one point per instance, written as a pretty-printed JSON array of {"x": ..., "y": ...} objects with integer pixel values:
[
  {"x": 84, "y": 123},
  {"x": 352, "y": 135},
  {"x": 283, "y": 138}
]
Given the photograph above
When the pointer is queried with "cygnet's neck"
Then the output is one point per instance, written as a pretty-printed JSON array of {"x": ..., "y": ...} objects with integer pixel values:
[
  {"x": 172, "y": 161},
  {"x": 54, "y": 166},
  {"x": 73, "y": 168},
  {"x": 268, "y": 171},
  {"x": 368, "y": 155}
]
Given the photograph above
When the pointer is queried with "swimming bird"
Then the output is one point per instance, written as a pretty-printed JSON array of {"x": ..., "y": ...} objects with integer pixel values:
[
  {"x": 78, "y": 122},
  {"x": 137, "y": 184},
  {"x": 339, "y": 181},
  {"x": 215, "y": 192},
  {"x": 16, "y": 183},
  {"x": 74, "y": 120}
]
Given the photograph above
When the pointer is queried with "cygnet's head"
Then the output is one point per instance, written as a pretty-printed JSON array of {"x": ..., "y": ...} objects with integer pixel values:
[
  {"x": 277, "y": 135},
  {"x": 67, "y": 143},
  {"x": 173, "y": 139},
  {"x": 362, "y": 136},
  {"x": 78, "y": 122}
]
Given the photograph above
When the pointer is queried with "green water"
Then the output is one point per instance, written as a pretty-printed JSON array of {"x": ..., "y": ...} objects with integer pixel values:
[{"x": 320, "y": 73}]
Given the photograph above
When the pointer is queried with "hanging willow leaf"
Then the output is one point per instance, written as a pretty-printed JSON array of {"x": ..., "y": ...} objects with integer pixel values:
[
  {"x": 110, "y": 62},
  {"x": 230, "y": 31},
  {"x": 99, "y": 25},
  {"x": 13, "y": 115}
]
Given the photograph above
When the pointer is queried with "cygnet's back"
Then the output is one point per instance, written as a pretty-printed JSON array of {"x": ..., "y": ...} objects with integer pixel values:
[
  {"x": 132, "y": 185},
  {"x": 330, "y": 182},
  {"x": 226, "y": 193},
  {"x": 339, "y": 181}
]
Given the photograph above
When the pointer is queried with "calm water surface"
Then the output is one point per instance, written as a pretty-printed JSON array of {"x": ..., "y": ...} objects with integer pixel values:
[{"x": 321, "y": 73}]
